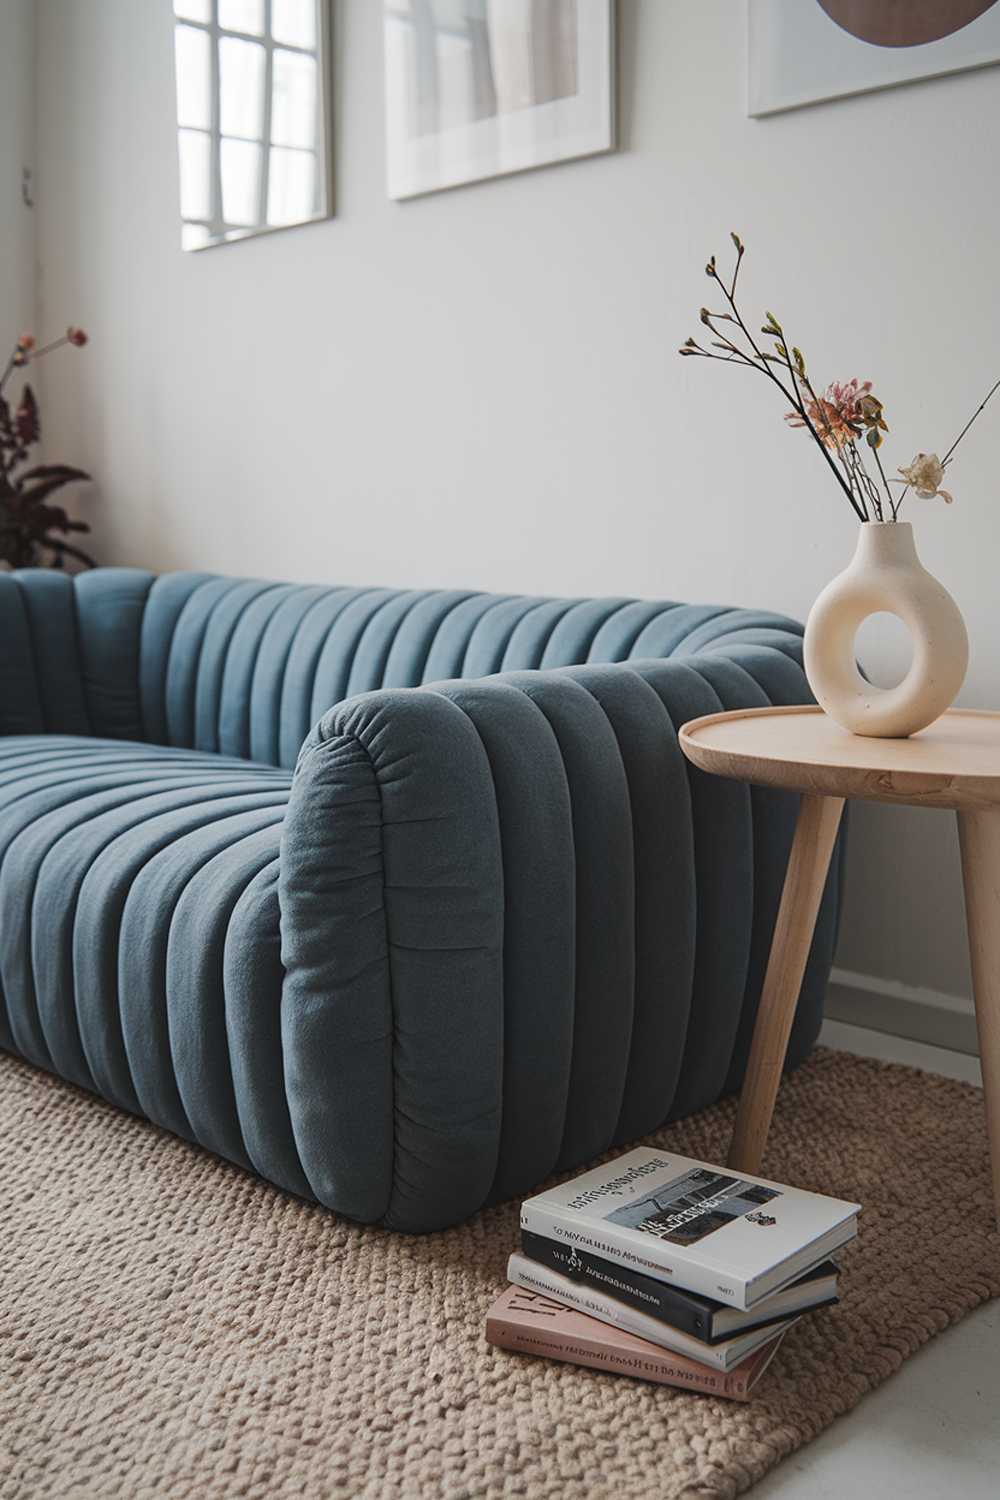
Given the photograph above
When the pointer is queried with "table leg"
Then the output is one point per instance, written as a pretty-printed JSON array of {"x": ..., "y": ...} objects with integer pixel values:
[
  {"x": 979, "y": 839},
  {"x": 808, "y": 863}
]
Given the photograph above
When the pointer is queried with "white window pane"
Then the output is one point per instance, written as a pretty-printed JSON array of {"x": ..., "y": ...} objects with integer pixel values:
[
  {"x": 294, "y": 22},
  {"x": 193, "y": 10},
  {"x": 195, "y": 159},
  {"x": 240, "y": 161},
  {"x": 192, "y": 52},
  {"x": 293, "y": 100},
  {"x": 241, "y": 87},
  {"x": 194, "y": 236},
  {"x": 242, "y": 15},
  {"x": 291, "y": 186}
]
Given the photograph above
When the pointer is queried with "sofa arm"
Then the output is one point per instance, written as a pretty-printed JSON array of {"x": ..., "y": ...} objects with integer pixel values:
[
  {"x": 69, "y": 662},
  {"x": 391, "y": 898},
  {"x": 518, "y": 928}
]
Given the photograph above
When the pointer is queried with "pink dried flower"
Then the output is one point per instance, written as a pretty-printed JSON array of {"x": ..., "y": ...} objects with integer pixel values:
[
  {"x": 841, "y": 413},
  {"x": 77, "y": 337}
]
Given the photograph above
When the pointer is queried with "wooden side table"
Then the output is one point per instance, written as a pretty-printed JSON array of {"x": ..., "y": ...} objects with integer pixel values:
[{"x": 954, "y": 763}]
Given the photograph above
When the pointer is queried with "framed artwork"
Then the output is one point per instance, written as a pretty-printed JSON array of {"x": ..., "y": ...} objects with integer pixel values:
[
  {"x": 480, "y": 88},
  {"x": 806, "y": 51}
]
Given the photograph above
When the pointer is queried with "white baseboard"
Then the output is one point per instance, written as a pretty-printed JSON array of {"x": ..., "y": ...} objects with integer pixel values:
[{"x": 905, "y": 1010}]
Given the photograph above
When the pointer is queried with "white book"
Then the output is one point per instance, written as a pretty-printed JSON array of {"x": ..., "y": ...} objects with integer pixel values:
[
  {"x": 722, "y": 1233},
  {"x": 724, "y": 1356}
]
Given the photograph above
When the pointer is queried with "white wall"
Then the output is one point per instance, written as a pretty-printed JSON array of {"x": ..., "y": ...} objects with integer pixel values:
[
  {"x": 481, "y": 387},
  {"x": 17, "y": 222}
]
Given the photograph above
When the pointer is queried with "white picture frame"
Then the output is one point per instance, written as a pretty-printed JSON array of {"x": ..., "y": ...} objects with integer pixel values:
[
  {"x": 476, "y": 89},
  {"x": 797, "y": 55}
]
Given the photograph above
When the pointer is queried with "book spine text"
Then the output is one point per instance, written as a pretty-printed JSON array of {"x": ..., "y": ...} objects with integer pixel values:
[
  {"x": 535, "y": 1278},
  {"x": 641, "y": 1291},
  {"x": 659, "y": 1368}
]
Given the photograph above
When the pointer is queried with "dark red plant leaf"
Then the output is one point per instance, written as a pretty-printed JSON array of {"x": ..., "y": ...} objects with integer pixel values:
[
  {"x": 66, "y": 547},
  {"x": 51, "y": 518},
  {"x": 34, "y": 494},
  {"x": 65, "y": 472}
]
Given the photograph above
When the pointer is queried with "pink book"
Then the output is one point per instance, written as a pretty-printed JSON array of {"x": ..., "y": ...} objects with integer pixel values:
[{"x": 529, "y": 1323}]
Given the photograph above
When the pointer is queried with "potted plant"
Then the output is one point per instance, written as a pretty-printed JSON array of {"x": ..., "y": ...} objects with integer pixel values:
[{"x": 33, "y": 531}]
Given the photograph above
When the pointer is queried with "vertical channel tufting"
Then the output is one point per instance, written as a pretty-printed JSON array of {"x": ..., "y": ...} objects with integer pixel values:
[
  {"x": 220, "y": 862},
  {"x": 50, "y": 609},
  {"x": 67, "y": 878},
  {"x": 446, "y": 657},
  {"x": 236, "y": 703},
  {"x": 618, "y": 634},
  {"x": 230, "y": 613},
  {"x": 490, "y": 635},
  {"x": 252, "y": 974},
  {"x": 39, "y": 828},
  {"x": 109, "y": 610},
  {"x": 161, "y": 856},
  {"x": 20, "y": 701},
  {"x": 407, "y": 661},
  {"x": 300, "y": 672},
  {"x": 730, "y": 625},
  {"x": 773, "y": 816},
  {"x": 336, "y": 658},
  {"x": 604, "y": 894},
  {"x": 270, "y": 673},
  {"x": 184, "y": 653},
  {"x": 539, "y": 916},
  {"x": 669, "y": 630},
  {"x": 780, "y": 641},
  {"x": 111, "y": 968},
  {"x": 370, "y": 655},
  {"x": 530, "y": 636},
  {"x": 571, "y": 640},
  {"x": 165, "y": 606},
  {"x": 664, "y": 889},
  {"x": 723, "y": 871}
]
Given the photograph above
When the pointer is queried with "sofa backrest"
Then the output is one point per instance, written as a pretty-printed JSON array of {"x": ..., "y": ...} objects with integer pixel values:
[{"x": 246, "y": 667}]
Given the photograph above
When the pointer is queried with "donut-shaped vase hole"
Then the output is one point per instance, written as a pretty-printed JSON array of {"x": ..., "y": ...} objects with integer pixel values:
[{"x": 884, "y": 647}]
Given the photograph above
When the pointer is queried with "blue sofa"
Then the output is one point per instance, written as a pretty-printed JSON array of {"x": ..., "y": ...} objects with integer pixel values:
[{"x": 400, "y": 899}]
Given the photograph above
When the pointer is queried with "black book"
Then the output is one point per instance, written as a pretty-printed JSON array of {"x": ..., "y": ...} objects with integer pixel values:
[{"x": 699, "y": 1316}]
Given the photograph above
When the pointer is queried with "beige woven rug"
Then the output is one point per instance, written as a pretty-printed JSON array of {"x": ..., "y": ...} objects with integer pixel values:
[{"x": 172, "y": 1327}]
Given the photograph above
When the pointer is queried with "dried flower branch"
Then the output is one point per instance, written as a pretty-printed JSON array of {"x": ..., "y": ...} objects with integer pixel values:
[{"x": 845, "y": 416}]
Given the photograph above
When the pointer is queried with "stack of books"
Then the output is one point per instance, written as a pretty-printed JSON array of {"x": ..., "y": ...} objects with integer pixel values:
[{"x": 669, "y": 1269}]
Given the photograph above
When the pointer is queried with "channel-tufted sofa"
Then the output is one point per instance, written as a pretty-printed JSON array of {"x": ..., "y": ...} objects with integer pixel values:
[{"x": 402, "y": 899}]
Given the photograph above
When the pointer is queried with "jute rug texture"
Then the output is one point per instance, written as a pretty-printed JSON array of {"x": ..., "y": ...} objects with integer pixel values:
[{"x": 172, "y": 1327}]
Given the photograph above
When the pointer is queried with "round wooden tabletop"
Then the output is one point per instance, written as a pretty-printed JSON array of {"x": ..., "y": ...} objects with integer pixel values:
[{"x": 954, "y": 763}]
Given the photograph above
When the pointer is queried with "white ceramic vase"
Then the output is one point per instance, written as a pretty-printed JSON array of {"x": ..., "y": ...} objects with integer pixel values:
[{"x": 886, "y": 574}]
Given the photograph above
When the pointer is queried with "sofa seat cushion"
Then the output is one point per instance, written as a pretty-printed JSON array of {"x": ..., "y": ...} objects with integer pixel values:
[{"x": 139, "y": 932}]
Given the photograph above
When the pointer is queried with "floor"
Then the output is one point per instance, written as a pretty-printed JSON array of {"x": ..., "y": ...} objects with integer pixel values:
[{"x": 934, "y": 1428}]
